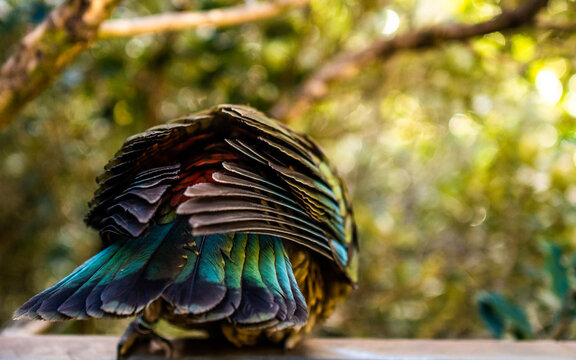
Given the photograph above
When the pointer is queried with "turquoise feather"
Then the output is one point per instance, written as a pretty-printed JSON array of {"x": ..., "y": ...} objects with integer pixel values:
[
  {"x": 269, "y": 274},
  {"x": 85, "y": 291},
  {"x": 257, "y": 303}
]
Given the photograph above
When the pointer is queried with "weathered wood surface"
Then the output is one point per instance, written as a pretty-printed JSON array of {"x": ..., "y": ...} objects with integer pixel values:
[{"x": 103, "y": 348}]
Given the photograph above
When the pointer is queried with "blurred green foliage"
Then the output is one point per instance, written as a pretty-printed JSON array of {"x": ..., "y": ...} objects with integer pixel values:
[
  {"x": 554, "y": 318},
  {"x": 460, "y": 159}
]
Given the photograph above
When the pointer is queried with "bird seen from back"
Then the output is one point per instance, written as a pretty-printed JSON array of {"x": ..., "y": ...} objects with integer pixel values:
[{"x": 225, "y": 221}]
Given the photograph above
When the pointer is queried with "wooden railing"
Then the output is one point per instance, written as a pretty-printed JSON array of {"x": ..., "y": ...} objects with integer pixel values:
[{"x": 104, "y": 347}]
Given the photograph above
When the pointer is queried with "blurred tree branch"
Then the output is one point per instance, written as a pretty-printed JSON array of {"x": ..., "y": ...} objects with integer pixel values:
[
  {"x": 74, "y": 25},
  {"x": 554, "y": 26},
  {"x": 346, "y": 65},
  {"x": 188, "y": 20},
  {"x": 47, "y": 50}
]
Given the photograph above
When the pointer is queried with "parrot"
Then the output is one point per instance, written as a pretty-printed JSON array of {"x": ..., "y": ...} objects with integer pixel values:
[{"x": 225, "y": 221}]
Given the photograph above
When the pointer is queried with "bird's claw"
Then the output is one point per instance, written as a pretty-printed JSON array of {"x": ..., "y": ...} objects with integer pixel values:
[{"x": 137, "y": 332}]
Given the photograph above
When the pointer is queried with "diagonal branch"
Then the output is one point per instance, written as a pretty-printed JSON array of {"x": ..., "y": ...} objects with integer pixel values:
[
  {"x": 183, "y": 21},
  {"x": 49, "y": 48},
  {"x": 347, "y": 65},
  {"x": 557, "y": 26}
]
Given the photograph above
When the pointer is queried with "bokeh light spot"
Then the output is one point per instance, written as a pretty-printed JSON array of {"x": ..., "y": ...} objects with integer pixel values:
[
  {"x": 549, "y": 86},
  {"x": 392, "y": 22}
]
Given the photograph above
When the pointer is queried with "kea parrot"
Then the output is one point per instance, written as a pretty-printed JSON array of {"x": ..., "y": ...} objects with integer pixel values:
[{"x": 225, "y": 221}]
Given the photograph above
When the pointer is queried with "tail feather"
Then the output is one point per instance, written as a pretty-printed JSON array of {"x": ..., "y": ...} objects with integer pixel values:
[
  {"x": 208, "y": 287},
  {"x": 200, "y": 286},
  {"x": 253, "y": 276},
  {"x": 283, "y": 274},
  {"x": 149, "y": 273},
  {"x": 245, "y": 278},
  {"x": 234, "y": 260},
  {"x": 257, "y": 304},
  {"x": 119, "y": 264},
  {"x": 99, "y": 287},
  {"x": 70, "y": 300},
  {"x": 51, "y": 298},
  {"x": 269, "y": 274},
  {"x": 301, "y": 312}
]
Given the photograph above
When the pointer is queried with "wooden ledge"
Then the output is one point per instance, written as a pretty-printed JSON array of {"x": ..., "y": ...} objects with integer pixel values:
[{"x": 104, "y": 347}]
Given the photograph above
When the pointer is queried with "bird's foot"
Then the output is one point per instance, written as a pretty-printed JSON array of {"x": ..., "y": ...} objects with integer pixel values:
[{"x": 138, "y": 331}]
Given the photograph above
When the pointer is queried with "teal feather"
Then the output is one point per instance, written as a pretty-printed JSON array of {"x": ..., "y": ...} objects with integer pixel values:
[
  {"x": 63, "y": 289},
  {"x": 145, "y": 279},
  {"x": 208, "y": 287},
  {"x": 79, "y": 304},
  {"x": 282, "y": 275},
  {"x": 246, "y": 277},
  {"x": 269, "y": 275},
  {"x": 257, "y": 305},
  {"x": 339, "y": 251},
  {"x": 75, "y": 304},
  {"x": 234, "y": 265},
  {"x": 106, "y": 283},
  {"x": 201, "y": 285},
  {"x": 132, "y": 255}
]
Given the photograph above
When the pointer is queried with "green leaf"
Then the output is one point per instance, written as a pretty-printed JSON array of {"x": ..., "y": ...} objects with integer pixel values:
[
  {"x": 556, "y": 270},
  {"x": 490, "y": 315},
  {"x": 499, "y": 315}
]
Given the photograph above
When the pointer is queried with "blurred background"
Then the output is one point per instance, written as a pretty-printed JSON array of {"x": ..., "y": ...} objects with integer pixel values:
[{"x": 460, "y": 159}]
